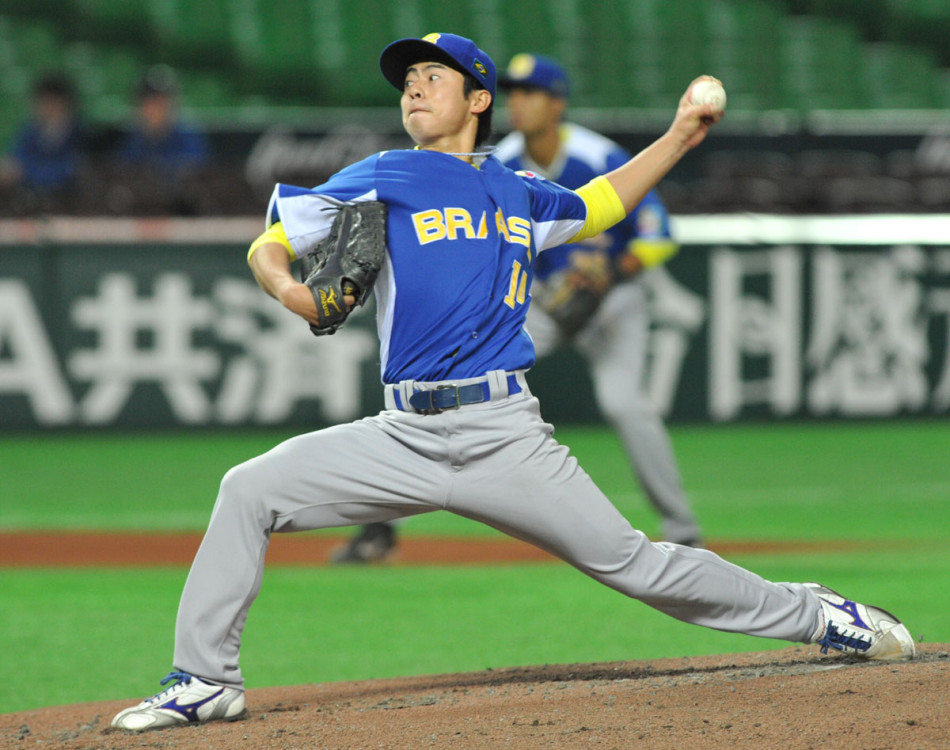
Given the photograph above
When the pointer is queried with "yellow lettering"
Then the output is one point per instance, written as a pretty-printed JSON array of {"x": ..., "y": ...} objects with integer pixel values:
[
  {"x": 523, "y": 289},
  {"x": 517, "y": 286},
  {"x": 501, "y": 226},
  {"x": 458, "y": 219},
  {"x": 429, "y": 226},
  {"x": 455, "y": 223},
  {"x": 520, "y": 231},
  {"x": 483, "y": 227}
]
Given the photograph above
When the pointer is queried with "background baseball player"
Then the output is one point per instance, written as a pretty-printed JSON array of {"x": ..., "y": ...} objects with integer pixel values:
[
  {"x": 612, "y": 332},
  {"x": 588, "y": 294},
  {"x": 460, "y": 430}
]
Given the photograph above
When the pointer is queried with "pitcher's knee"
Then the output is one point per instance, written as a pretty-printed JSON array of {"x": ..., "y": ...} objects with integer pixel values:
[
  {"x": 617, "y": 567},
  {"x": 240, "y": 486}
]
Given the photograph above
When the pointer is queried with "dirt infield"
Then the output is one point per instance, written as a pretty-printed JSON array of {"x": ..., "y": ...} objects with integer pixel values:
[
  {"x": 791, "y": 698},
  {"x": 90, "y": 549}
]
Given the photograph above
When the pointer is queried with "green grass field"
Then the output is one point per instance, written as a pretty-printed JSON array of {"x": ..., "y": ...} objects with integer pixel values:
[{"x": 85, "y": 635}]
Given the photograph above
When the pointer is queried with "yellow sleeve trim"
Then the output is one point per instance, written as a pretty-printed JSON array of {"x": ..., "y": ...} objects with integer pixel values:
[
  {"x": 275, "y": 234},
  {"x": 653, "y": 252},
  {"x": 604, "y": 208}
]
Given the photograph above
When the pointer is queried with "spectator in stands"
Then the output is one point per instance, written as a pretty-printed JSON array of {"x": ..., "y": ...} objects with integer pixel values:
[
  {"x": 162, "y": 156},
  {"x": 42, "y": 169}
]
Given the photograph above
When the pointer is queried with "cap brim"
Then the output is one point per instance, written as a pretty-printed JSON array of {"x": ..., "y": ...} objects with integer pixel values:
[
  {"x": 511, "y": 83},
  {"x": 398, "y": 56},
  {"x": 507, "y": 84}
]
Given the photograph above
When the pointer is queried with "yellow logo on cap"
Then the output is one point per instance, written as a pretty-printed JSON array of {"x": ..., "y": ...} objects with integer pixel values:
[
  {"x": 431, "y": 38},
  {"x": 521, "y": 65},
  {"x": 480, "y": 68}
]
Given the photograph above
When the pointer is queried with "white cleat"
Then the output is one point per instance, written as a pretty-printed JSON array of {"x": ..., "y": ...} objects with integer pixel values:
[
  {"x": 860, "y": 630},
  {"x": 189, "y": 701}
]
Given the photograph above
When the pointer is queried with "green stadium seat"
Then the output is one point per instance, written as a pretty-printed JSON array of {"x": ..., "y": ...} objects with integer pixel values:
[
  {"x": 663, "y": 46},
  {"x": 346, "y": 58},
  {"x": 901, "y": 78},
  {"x": 821, "y": 64},
  {"x": 122, "y": 70},
  {"x": 624, "y": 55},
  {"x": 201, "y": 90},
  {"x": 81, "y": 63},
  {"x": 562, "y": 31},
  {"x": 870, "y": 17},
  {"x": 538, "y": 25},
  {"x": 750, "y": 65},
  {"x": 106, "y": 76},
  {"x": 35, "y": 8},
  {"x": 943, "y": 89},
  {"x": 7, "y": 41},
  {"x": 682, "y": 22},
  {"x": 404, "y": 20},
  {"x": 111, "y": 20},
  {"x": 922, "y": 23},
  {"x": 15, "y": 102},
  {"x": 276, "y": 55},
  {"x": 190, "y": 32},
  {"x": 620, "y": 53},
  {"x": 38, "y": 44},
  {"x": 919, "y": 23}
]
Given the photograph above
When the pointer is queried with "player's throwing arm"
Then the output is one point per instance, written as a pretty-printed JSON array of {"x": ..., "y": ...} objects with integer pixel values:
[{"x": 634, "y": 179}]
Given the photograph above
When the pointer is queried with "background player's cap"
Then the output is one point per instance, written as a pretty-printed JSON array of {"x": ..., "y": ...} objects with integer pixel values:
[
  {"x": 535, "y": 72},
  {"x": 159, "y": 80},
  {"x": 456, "y": 51}
]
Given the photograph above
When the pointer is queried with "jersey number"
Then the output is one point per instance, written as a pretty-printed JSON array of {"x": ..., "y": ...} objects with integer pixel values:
[{"x": 518, "y": 286}]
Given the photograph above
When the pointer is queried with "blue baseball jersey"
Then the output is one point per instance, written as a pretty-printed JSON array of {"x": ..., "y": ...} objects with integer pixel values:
[
  {"x": 582, "y": 156},
  {"x": 463, "y": 242}
]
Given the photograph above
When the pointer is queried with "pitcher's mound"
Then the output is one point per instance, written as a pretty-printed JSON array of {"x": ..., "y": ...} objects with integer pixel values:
[{"x": 790, "y": 698}]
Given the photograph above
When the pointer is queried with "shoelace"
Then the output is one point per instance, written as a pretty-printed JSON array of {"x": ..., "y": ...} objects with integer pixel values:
[
  {"x": 835, "y": 639},
  {"x": 181, "y": 678}
]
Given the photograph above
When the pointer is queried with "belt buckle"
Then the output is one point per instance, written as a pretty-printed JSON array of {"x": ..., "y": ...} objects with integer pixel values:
[{"x": 458, "y": 398}]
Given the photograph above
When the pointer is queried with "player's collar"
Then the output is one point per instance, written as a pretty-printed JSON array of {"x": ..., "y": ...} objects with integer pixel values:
[{"x": 478, "y": 157}]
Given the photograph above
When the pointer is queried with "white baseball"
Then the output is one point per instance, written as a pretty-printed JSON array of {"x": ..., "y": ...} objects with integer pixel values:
[{"x": 709, "y": 92}]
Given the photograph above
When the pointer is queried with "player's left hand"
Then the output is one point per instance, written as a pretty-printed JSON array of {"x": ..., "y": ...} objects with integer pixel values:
[
  {"x": 341, "y": 270},
  {"x": 298, "y": 298}
]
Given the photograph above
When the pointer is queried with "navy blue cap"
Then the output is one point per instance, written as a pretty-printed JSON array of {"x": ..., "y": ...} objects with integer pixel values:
[
  {"x": 535, "y": 72},
  {"x": 159, "y": 80},
  {"x": 455, "y": 51}
]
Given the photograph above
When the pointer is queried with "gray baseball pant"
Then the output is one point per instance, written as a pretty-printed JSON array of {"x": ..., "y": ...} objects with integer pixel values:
[{"x": 495, "y": 462}]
